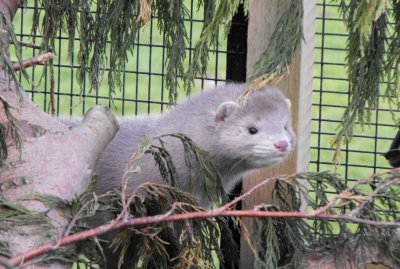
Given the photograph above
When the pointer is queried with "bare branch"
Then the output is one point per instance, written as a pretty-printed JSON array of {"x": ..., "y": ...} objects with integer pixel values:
[
  {"x": 225, "y": 211},
  {"x": 34, "y": 61},
  {"x": 345, "y": 194},
  {"x": 52, "y": 86},
  {"x": 369, "y": 198},
  {"x": 253, "y": 189},
  {"x": 80, "y": 211},
  {"x": 9, "y": 8},
  {"x": 31, "y": 45},
  {"x": 167, "y": 217}
]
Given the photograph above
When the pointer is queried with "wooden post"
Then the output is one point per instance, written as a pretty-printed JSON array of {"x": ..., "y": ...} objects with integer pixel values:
[{"x": 263, "y": 16}]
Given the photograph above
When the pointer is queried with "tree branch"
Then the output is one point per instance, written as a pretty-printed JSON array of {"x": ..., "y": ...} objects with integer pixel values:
[
  {"x": 167, "y": 217},
  {"x": 345, "y": 193},
  {"x": 9, "y": 8},
  {"x": 34, "y": 61},
  {"x": 223, "y": 211}
]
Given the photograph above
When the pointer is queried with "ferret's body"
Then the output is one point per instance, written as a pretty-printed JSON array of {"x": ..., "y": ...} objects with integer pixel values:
[
  {"x": 217, "y": 125},
  {"x": 239, "y": 138}
]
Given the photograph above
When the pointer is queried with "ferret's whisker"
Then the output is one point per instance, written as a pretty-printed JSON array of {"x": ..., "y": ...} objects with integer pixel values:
[{"x": 238, "y": 162}]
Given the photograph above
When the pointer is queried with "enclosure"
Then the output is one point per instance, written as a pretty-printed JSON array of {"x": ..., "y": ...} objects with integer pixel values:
[
  {"x": 143, "y": 87},
  {"x": 143, "y": 91}
]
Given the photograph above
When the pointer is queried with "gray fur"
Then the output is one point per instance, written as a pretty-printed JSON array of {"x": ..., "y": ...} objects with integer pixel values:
[
  {"x": 217, "y": 127},
  {"x": 215, "y": 123}
]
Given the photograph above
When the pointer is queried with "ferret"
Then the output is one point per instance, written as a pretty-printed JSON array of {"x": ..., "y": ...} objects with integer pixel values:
[{"x": 239, "y": 137}]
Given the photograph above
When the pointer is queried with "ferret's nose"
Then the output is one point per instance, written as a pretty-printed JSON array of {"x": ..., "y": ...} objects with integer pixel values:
[{"x": 281, "y": 145}]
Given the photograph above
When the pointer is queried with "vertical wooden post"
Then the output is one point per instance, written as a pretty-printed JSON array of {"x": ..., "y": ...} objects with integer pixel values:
[
  {"x": 263, "y": 16},
  {"x": 235, "y": 72}
]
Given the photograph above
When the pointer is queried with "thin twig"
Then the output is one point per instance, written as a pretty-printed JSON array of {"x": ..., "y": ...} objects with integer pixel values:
[
  {"x": 103, "y": 255},
  {"x": 34, "y": 61},
  {"x": 52, "y": 96},
  {"x": 126, "y": 202},
  {"x": 346, "y": 192},
  {"x": 253, "y": 189},
  {"x": 31, "y": 45},
  {"x": 369, "y": 198},
  {"x": 78, "y": 214},
  {"x": 127, "y": 171},
  {"x": 246, "y": 236},
  {"x": 220, "y": 212}
]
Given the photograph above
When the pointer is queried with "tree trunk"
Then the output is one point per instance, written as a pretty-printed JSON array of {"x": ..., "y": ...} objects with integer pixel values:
[{"x": 53, "y": 159}]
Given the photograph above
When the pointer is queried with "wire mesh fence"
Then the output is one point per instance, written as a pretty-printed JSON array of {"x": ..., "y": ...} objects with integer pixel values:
[
  {"x": 143, "y": 84},
  {"x": 143, "y": 78},
  {"x": 363, "y": 155}
]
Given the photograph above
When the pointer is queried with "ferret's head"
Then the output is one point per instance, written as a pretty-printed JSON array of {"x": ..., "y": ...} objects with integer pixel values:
[{"x": 257, "y": 133}]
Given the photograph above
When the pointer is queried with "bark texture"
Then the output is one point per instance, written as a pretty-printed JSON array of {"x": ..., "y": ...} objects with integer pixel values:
[{"x": 54, "y": 159}]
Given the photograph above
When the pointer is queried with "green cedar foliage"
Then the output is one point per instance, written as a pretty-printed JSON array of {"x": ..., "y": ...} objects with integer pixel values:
[
  {"x": 282, "y": 242},
  {"x": 277, "y": 242},
  {"x": 373, "y": 61},
  {"x": 162, "y": 245},
  {"x": 113, "y": 26},
  {"x": 274, "y": 62}
]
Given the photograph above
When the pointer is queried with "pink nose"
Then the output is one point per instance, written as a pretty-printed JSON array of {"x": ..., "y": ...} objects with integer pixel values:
[{"x": 281, "y": 145}]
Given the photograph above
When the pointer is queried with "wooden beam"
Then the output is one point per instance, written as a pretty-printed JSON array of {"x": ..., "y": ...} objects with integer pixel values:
[{"x": 263, "y": 16}]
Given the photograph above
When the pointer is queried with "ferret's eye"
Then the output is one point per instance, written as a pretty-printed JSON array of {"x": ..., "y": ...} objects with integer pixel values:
[{"x": 253, "y": 130}]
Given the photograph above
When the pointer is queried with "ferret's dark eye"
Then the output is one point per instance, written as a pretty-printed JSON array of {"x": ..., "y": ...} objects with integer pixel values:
[{"x": 252, "y": 130}]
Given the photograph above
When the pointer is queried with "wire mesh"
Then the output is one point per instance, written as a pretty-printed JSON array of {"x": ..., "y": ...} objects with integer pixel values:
[
  {"x": 143, "y": 85},
  {"x": 363, "y": 155},
  {"x": 143, "y": 78}
]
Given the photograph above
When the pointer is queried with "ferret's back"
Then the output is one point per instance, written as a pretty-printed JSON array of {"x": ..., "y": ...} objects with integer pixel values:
[{"x": 112, "y": 163}]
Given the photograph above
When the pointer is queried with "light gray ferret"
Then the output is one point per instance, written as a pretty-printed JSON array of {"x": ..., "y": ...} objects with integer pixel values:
[{"x": 239, "y": 138}]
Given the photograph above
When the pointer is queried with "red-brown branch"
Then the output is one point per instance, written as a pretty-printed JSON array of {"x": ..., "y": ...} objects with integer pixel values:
[
  {"x": 32, "y": 45},
  {"x": 121, "y": 222},
  {"x": 34, "y": 61},
  {"x": 132, "y": 222}
]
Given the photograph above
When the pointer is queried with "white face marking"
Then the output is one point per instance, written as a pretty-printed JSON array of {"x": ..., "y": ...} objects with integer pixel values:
[
  {"x": 289, "y": 103},
  {"x": 258, "y": 134},
  {"x": 267, "y": 154}
]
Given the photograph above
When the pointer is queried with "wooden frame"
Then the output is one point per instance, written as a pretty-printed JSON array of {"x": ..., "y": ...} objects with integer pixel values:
[{"x": 297, "y": 85}]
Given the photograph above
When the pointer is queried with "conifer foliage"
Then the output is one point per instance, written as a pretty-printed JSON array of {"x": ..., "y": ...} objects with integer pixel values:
[
  {"x": 362, "y": 218},
  {"x": 373, "y": 61}
]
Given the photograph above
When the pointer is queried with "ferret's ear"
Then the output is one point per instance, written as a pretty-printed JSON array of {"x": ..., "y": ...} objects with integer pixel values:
[
  {"x": 289, "y": 103},
  {"x": 224, "y": 110}
]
